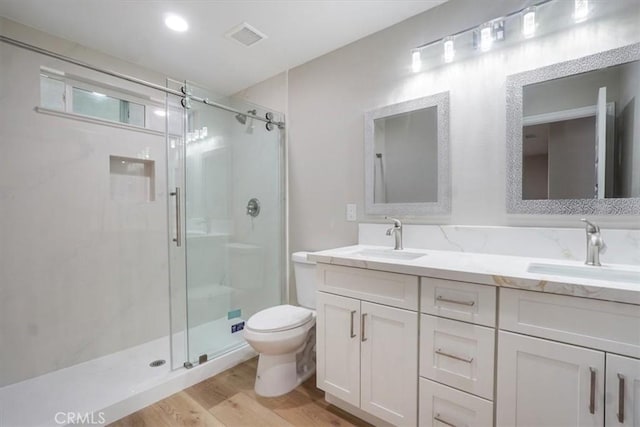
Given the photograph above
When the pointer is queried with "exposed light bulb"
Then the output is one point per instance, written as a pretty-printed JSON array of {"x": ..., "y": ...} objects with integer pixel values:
[
  {"x": 581, "y": 10},
  {"x": 529, "y": 22},
  {"x": 449, "y": 50},
  {"x": 486, "y": 38},
  {"x": 416, "y": 61},
  {"x": 176, "y": 23}
]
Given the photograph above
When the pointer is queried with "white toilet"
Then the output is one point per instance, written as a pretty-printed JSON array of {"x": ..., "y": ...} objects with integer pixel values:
[{"x": 285, "y": 336}]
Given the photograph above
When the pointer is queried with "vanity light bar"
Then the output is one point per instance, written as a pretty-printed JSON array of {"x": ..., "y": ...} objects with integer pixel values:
[{"x": 487, "y": 33}]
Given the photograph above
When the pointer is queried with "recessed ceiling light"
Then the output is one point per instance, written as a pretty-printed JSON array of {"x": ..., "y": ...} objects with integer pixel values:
[{"x": 176, "y": 23}]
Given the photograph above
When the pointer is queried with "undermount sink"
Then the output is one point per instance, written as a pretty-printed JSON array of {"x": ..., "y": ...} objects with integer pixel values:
[
  {"x": 606, "y": 273},
  {"x": 388, "y": 254}
]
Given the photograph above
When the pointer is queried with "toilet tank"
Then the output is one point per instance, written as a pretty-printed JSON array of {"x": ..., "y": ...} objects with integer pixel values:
[{"x": 305, "y": 276}]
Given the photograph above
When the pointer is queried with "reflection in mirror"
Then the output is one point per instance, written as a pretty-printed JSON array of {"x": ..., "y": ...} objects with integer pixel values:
[
  {"x": 579, "y": 134},
  {"x": 406, "y": 157},
  {"x": 573, "y": 134}
]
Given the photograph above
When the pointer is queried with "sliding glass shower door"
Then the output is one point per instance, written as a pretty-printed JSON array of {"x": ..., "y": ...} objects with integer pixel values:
[{"x": 232, "y": 223}]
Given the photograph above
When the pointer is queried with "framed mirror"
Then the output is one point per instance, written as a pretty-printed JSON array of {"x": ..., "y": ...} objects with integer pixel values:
[
  {"x": 406, "y": 149},
  {"x": 573, "y": 136}
]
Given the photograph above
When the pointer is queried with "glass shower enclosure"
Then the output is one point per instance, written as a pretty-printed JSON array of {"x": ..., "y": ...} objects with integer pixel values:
[{"x": 226, "y": 180}]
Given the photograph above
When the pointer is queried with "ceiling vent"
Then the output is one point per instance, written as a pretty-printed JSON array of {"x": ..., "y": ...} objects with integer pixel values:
[{"x": 245, "y": 34}]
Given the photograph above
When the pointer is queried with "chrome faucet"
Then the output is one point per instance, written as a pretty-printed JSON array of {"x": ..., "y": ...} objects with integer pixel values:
[
  {"x": 595, "y": 243},
  {"x": 396, "y": 230}
]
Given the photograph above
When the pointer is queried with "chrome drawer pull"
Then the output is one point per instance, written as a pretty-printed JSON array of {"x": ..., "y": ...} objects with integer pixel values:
[
  {"x": 440, "y": 420},
  {"x": 453, "y": 356},
  {"x": 592, "y": 392},
  {"x": 621, "y": 398},
  {"x": 452, "y": 301},
  {"x": 352, "y": 314}
]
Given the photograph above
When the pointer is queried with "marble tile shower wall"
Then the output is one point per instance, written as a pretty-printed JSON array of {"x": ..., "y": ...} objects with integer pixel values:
[
  {"x": 82, "y": 274},
  {"x": 623, "y": 246}
]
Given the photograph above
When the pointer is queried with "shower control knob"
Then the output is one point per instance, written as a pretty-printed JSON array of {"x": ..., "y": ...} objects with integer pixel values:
[{"x": 253, "y": 207}]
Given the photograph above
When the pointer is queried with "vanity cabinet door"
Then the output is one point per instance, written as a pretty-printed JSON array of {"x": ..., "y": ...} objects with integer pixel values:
[
  {"x": 623, "y": 391},
  {"x": 547, "y": 384},
  {"x": 338, "y": 346},
  {"x": 389, "y": 371}
]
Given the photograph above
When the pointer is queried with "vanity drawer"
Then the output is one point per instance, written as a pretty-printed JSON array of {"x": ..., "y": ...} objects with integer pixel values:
[
  {"x": 603, "y": 325},
  {"x": 397, "y": 290},
  {"x": 457, "y": 354},
  {"x": 458, "y": 300},
  {"x": 444, "y": 406}
]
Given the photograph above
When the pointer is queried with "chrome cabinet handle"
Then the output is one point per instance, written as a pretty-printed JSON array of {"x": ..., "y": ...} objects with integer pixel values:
[
  {"x": 621, "y": 398},
  {"x": 353, "y": 312},
  {"x": 452, "y": 301},
  {"x": 362, "y": 337},
  {"x": 440, "y": 420},
  {"x": 453, "y": 356},
  {"x": 592, "y": 393},
  {"x": 178, "y": 238}
]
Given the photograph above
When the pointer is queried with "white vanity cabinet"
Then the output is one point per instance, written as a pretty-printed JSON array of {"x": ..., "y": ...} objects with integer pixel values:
[
  {"x": 457, "y": 349},
  {"x": 408, "y": 350},
  {"x": 575, "y": 382},
  {"x": 367, "y": 341}
]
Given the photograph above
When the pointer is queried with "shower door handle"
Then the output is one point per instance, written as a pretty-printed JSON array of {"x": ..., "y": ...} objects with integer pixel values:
[{"x": 178, "y": 238}]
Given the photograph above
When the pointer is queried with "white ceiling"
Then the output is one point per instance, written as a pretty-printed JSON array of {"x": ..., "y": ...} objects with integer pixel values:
[{"x": 297, "y": 31}]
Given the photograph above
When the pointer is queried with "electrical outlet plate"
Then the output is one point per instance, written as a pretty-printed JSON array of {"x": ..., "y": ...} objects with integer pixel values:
[{"x": 351, "y": 212}]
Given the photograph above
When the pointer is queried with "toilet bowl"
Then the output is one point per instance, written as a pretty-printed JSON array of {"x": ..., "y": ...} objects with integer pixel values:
[{"x": 284, "y": 336}]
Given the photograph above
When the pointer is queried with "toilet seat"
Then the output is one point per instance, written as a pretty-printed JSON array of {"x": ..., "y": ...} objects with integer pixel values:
[{"x": 279, "y": 318}]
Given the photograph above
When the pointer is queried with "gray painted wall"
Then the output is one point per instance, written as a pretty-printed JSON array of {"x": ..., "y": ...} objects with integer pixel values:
[{"x": 327, "y": 97}]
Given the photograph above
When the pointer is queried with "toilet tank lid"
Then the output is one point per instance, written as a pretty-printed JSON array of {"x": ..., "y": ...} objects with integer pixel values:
[{"x": 301, "y": 257}]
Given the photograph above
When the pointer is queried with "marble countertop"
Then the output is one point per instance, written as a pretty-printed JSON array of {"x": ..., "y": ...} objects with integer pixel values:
[{"x": 496, "y": 270}]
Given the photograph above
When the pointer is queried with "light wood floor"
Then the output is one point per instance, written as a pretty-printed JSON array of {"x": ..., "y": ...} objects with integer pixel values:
[{"x": 228, "y": 399}]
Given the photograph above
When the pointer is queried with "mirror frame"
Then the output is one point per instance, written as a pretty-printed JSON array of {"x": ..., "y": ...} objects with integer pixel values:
[
  {"x": 515, "y": 84},
  {"x": 443, "y": 204}
]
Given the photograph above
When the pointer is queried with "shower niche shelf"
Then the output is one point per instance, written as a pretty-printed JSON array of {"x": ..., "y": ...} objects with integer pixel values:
[{"x": 131, "y": 179}]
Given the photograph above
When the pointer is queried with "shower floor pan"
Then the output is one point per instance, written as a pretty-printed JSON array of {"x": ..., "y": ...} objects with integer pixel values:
[{"x": 110, "y": 387}]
